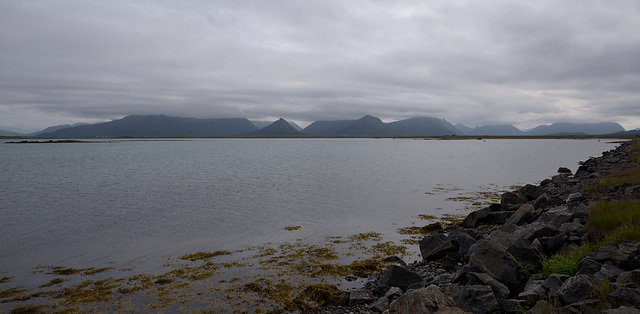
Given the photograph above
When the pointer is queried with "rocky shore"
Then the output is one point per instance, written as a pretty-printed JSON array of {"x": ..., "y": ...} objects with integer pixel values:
[{"x": 492, "y": 261}]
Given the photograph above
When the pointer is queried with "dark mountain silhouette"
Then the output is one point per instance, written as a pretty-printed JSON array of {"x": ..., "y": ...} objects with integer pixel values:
[
  {"x": 577, "y": 128},
  {"x": 263, "y": 124},
  {"x": 326, "y": 128},
  {"x": 157, "y": 126},
  {"x": 366, "y": 126},
  {"x": 56, "y": 128},
  {"x": 491, "y": 130},
  {"x": 369, "y": 126},
  {"x": 278, "y": 128},
  {"x": 9, "y": 133},
  {"x": 423, "y": 126}
]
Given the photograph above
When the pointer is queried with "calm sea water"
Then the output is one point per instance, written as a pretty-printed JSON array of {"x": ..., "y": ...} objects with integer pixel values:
[{"x": 132, "y": 203}]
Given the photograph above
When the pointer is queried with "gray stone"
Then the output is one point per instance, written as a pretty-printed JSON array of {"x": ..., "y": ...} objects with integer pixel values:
[
  {"x": 551, "y": 245},
  {"x": 435, "y": 246},
  {"x": 523, "y": 215},
  {"x": 425, "y": 300},
  {"x": 542, "y": 307},
  {"x": 530, "y": 192},
  {"x": 443, "y": 278},
  {"x": 574, "y": 197},
  {"x": 477, "y": 299},
  {"x": 533, "y": 291},
  {"x": 630, "y": 279},
  {"x": 360, "y": 296},
  {"x": 380, "y": 305},
  {"x": 499, "y": 290},
  {"x": 525, "y": 252},
  {"x": 486, "y": 257},
  {"x": 553, "y": 283},
  {"x": 509, "y": 198},
  {"x": 589, "y": 267},
  {"x": 510, "y": 305},
  {"x": 622, "y": 310},
  {"x": 624, "y": 296},
  {"x": 462, "y": 241},
  {"x": 475, "y": 218},
  {"x": 397, "y": 276},
  {"x": 575, "y": 289},
  {"x": 608, "y": 272},
  {"x": 542, "y": 201}
]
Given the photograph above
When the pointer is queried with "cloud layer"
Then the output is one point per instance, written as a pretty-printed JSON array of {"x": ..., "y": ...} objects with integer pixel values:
[{"x": 473, "y": 62}]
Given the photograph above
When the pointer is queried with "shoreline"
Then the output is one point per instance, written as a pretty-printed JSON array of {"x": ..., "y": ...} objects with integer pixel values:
[{"x": 490, "y": 262}]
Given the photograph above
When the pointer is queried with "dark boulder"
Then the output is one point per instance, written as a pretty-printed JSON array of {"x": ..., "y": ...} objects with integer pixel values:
[
  {"x": 477, "y": 299},
  {"x": 624, "y": 296},
  {"x": 576, "y": 288},
  {"x": 553, "y": 283},
  {"x": 524, "y": 214},
  {"x": 435, "y": 246},
  {"x": 499, "y": 290},
  {"x": 462, "y": 240},
  {"x": 511, "y": 198},
  {"x": 397, "y": 276},
  {"x": 530, "y": 192},
  {"x": 425, "y": 300},
  {"x": 487, "y": 257},
  {"x": 475, "y": 218}
]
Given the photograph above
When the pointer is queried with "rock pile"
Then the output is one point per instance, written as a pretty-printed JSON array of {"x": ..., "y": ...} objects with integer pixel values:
[{"x": 489, "y": 263}]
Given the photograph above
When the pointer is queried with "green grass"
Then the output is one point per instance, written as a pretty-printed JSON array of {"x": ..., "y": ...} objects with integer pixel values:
[
  {"x": 568, "y": 264},
  {"x": 618, "y": 220}
]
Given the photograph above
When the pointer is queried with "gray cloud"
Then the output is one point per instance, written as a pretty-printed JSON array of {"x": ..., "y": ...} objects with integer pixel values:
[{"x": 477, "y": 63}]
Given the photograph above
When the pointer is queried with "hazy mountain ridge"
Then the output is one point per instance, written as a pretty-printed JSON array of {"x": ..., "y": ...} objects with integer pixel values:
[
  {"x": 158, "y": 126},
  {"x": 367, "y": 126},
  {"x": 279, "y": 128}
]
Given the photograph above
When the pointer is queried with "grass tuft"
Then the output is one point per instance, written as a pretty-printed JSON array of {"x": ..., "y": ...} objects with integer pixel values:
[{"x": 618, "y": 219}]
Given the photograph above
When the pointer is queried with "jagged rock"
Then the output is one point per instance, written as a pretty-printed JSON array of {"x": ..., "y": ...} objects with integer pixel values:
[
  {"x": 499, "y": 290},
  {"x": 553, "y": 283},
  {"x": 578, "y": 210},
  {"x": 552, "y": 244},
  {"x": 620, "y": 255},
  {"x": 525, "y": 252},
  {"x": 539, "y": 230},
  {"x": 542, "y": 307},
  {"x": 476, "y": 217},
  {"x": 450, "y": 261},
  {"x": 530, "y": 192},
  {"x": 533, "y": 291},
  {"x": 589, "y": 267},
  {"x": 381, "y": 305},
  {"x": 576, "y": 288},
  {"x": 571, "y": 228},
  {"x": 497, "y": 218},
  {"x": 397, "y": 276},
  {"x": 435, "y": 246},
  {"x": 486, "y": 257},
  {"x": 608, "y": 272},
  {"x": 632, "y": 190},
  {"x": 556, "y": 216},
  {"x": 622, "y": 310},
  {"x": 510, "y": 305},
  {"x": 624, "y": 296},
  {"x": 582, "y": 307},
  {"x": 574, "y": 197},
  {"x": 425, "y": 300},
  {"x": 564, "y": 170},
  {"x": 542, "y": 201},
  {"x": 476, "y": 299},
  {"x": 509, "y": 198},
  {"x": 523, "y": 215},
  {"x": 360, "y": 296},
  {"x": 443, "y": 278},
  {"x": 461, "y": 241},
  {"x": 630, "y": 279}
]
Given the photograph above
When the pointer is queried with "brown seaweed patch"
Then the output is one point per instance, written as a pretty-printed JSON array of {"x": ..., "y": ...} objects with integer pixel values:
[
  {"x": 31, "y": 309},
  {"x": 6, "y": 279},
  {"x": 425, "y": 230},
  {"x": 12, "y": 292},
  {"x": 292, "y": 228},
  {"x": 53, "y": 282},
  {"x": 203, "y": 255},
  {"x": 367, "y": 236},
  {"x": 427, "y": 217}
]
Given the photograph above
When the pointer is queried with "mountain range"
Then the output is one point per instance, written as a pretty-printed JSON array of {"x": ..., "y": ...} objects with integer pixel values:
[{"x": 367, "y": 126}]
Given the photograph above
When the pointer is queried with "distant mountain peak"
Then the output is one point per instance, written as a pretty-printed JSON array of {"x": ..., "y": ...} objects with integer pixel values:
[{"x": 278, "y": 128}]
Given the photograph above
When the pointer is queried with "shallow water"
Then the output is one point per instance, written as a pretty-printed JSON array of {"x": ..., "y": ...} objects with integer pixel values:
[{"x": 133, "y": 203}]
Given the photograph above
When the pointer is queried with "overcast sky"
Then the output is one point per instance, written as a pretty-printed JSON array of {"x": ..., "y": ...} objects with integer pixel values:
[{"x": 472, "y": 62}]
